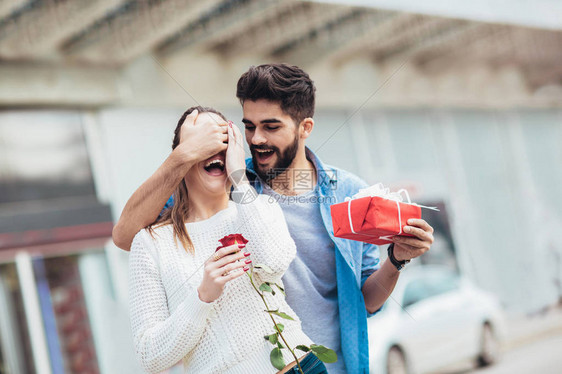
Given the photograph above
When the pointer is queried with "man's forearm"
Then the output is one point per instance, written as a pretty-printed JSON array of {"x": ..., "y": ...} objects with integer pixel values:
[
  {"x": 379, "y": 286},
  {"x": 146, "y": 203}
]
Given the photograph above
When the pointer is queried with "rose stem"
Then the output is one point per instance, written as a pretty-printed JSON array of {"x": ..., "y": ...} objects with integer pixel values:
[{"x": 275, "y": 323}]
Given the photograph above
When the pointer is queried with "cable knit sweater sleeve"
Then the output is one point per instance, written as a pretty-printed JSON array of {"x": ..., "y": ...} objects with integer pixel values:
[
  {"x": 264, "y": 223},
  {"x": 161, "y": 338}
]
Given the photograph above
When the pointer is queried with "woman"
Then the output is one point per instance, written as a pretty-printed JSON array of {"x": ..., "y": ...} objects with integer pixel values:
[{"x": 193, "y": 304}]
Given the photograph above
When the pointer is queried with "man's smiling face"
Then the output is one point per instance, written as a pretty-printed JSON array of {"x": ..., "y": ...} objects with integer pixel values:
[{"x": 271, "y": 135}]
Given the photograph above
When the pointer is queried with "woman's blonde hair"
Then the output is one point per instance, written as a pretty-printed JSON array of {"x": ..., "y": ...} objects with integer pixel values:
[{"x": 178, "y": 213}]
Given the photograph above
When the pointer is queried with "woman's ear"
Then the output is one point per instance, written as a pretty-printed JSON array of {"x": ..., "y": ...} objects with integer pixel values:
[{"x": 306, "y": 127}]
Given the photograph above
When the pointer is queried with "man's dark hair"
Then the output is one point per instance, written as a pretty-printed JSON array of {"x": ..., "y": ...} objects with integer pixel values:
[{"x": 288, "y": 85}]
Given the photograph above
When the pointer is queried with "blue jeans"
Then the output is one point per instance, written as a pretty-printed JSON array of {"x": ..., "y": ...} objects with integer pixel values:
[{"x": 310, "y": 364}]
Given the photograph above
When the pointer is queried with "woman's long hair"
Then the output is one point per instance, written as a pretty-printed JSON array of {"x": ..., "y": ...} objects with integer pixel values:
[{"x": 178, "y": 214}]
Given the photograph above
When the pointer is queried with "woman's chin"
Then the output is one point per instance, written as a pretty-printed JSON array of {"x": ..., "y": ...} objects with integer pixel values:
[
  {"x": 217, "y": 186},
  {"x": 211, "y": 184}
]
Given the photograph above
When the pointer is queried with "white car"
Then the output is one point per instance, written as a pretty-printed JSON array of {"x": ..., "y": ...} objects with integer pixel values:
[{"x": 434, "y": 318}]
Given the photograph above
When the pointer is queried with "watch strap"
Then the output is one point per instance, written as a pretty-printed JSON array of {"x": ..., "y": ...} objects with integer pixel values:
[{"x": 399, "y": 265}]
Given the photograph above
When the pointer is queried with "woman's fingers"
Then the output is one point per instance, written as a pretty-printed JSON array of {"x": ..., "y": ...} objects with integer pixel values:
[
  {"x": 234, "y": 274},
  {"x": 224, "y": 251},
  {"x": 231, "y": 258},
  {"x": 225, "y": 270},
  {"x": 237, "y": 134},
  {"x": 224, "y": 265},
  {"x": 226, "y": 255}
]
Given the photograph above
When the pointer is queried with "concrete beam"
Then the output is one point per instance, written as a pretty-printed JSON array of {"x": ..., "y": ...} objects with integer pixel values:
[
  {"x": 499, "y": 45},
  {"x": 448, "y": 41},
  {"x": 135, "y": 29},
  {"x": 32, "y": 85},
  {"x": 343, "y": 37},
  {"x": 37, "y": 32},
  {"x": 418, "y": 34},
  {"x": 9, "y": 6},
  {"x": 282, "y": 28},
  {"x": 221, "y": 23},
  {"x": 544, "y": 14}
]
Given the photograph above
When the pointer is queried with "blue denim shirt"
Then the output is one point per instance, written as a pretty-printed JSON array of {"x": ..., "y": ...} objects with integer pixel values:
[{"x": 355, "y": 261}]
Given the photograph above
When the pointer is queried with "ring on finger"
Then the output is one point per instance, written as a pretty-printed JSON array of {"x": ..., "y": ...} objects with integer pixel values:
[{"x": 216, "y": 257}]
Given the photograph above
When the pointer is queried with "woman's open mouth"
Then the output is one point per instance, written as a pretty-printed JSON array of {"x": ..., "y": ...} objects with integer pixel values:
[
  {"x": 214, "y": 167},
  {"x": 263, "y": 155}
]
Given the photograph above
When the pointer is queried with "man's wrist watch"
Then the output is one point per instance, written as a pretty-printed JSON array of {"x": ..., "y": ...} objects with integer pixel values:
[{"x": 399, "y": 265}]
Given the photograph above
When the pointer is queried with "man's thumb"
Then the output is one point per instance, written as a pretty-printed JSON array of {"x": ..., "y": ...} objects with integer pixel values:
[{"x": 192, "y": 117}]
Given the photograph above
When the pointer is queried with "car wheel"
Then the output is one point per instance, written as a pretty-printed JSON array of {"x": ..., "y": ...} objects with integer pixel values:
[
  {"x": 489, "y": 346},
  {"x": 396, "y": 362}
]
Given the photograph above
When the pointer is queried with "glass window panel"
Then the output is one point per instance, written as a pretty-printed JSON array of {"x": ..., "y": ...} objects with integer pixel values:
[
  {"x": 542, "y": 131},
  {"x": 332, "y": 141},
  {"x": 411, "y": 139},
  {"x": 43, "y": 155}
]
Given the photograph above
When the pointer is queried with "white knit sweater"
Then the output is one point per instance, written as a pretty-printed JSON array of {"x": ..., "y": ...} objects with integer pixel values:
[{"x": 170, "y": 323}]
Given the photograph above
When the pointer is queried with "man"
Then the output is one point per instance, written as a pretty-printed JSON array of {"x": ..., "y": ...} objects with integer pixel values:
[{"x": 333, "y": 284}]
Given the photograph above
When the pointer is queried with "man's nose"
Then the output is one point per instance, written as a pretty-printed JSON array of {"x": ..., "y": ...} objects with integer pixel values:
[{"x": 258, "y": 138}]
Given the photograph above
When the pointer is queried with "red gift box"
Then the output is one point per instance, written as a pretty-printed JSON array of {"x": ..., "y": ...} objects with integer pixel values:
[{"x": 373, "y": 219}]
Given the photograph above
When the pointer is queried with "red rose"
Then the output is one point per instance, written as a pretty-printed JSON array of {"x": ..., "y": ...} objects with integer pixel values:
[{"x": 232, "y": 239}]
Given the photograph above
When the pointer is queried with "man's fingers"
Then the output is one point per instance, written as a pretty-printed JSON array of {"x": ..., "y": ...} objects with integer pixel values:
[
  {"x": 191, "y": 118},
  {"x": 231, "y": 138},
  {"x": 407, "y": 252},
  {"x": 422, "y": 224},
  {"x": 187, "y": 124},
  {"x": 412, "y": 242},
  {"x": 411, "y": 247},
  {"x": 419, "y": 233}
]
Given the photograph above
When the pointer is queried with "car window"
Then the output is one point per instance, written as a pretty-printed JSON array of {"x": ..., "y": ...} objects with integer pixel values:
[
  {"x": 442, "y": 283},
  {"x": 429, "y": 286},
  {"x": 415, "y": 292}
]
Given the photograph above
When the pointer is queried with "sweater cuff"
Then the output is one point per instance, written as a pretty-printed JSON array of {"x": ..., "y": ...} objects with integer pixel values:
[{"x": 196, "y": 309}]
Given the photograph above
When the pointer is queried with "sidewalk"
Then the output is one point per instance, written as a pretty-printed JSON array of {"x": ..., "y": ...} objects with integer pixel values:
[{"x": 525, "y": 329}]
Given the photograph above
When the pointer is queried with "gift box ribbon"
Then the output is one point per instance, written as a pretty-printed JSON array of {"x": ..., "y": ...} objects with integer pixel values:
[{"x": 380, "y": 191}]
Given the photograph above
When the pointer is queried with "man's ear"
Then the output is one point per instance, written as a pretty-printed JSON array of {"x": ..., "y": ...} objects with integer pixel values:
[{"x": 306, "y": 127}]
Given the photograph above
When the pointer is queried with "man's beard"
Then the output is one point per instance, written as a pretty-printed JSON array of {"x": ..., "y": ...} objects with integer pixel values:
[{"x": 284, "y": 160}]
